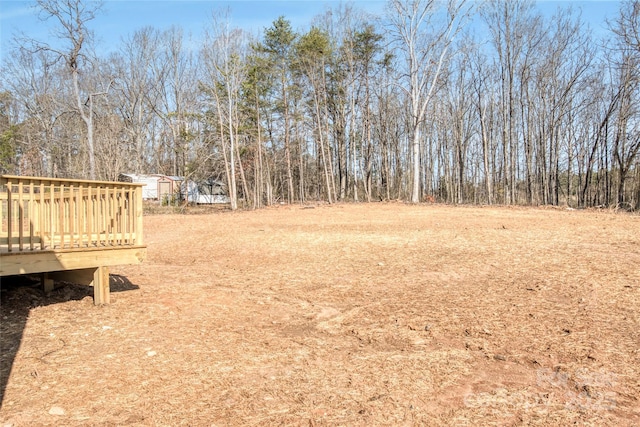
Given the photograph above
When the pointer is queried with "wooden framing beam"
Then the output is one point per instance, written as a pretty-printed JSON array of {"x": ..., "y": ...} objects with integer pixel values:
[{"x": 16, "y": 263}]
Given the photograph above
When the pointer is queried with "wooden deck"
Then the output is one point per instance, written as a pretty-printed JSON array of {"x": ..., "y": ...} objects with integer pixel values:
[{"x": 70, "y": 230}]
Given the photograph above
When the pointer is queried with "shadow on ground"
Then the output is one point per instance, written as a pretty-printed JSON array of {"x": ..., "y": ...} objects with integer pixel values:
[{"x": 19, "y": 295}]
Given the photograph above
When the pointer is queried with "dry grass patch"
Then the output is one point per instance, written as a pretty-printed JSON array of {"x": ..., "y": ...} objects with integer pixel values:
[{"x": 382, "y": 314}]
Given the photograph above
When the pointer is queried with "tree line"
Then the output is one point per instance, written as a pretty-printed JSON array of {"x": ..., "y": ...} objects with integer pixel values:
[{"x": 456, "y": 101}]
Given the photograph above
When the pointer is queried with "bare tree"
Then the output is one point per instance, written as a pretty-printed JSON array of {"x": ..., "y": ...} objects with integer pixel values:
[
  {"x": 72, "y": 17},
  {"x": 627, "y": 77},
  {"x": 136, "y": 92},
  {"x": 178, "y": 101},
  {"x": 34, "y": 80},
  {"x": 224, "y": 58},
  {"x": 424, "y": 33},
  {"x": 484, "y": 103},
  {"x": 514, "y": 30}
]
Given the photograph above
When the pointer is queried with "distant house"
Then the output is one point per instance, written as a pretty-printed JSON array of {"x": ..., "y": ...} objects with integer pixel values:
[
  {"x": 212, "y": 191},
  {"x": 168, "y": 188}
]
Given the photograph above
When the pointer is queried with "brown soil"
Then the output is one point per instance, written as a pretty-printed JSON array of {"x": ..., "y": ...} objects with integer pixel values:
[{"x": 383, "y": 314}]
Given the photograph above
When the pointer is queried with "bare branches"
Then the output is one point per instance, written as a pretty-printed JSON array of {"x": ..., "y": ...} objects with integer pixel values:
[
  {"x": 520, "y": 109},
  {"x": 424, "y": 32},
  {"x": 71, "y": 17}
]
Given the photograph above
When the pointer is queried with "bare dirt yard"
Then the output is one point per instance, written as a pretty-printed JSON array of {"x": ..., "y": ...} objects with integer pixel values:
[{"x": 380, "y": 314}]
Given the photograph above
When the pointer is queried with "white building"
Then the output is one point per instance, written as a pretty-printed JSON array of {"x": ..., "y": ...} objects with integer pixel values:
[{"x": 166, "y": 187}]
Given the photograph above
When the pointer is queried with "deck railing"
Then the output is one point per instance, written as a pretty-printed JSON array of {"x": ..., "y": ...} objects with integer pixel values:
[{"x": 40, "y": 214}]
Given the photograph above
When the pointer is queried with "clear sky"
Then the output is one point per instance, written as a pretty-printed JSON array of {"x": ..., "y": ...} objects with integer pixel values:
[{"x": 122, "y": 17}]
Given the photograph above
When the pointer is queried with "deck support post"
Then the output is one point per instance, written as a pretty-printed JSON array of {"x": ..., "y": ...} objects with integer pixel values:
[
  {"x": 98, "y": 277},
  {"x": 101, "y": 293},
  {"x": 47, "y": 282}
]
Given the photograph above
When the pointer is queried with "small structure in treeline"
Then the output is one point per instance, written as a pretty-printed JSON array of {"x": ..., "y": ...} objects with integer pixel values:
[
  {"x": 169, "y": 189},
  {"x": 156, "y": 186},
  {"x": 211, "y": 191}
]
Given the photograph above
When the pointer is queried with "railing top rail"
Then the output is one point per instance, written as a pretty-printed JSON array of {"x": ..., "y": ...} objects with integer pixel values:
[{"x": 5, "y": 178}]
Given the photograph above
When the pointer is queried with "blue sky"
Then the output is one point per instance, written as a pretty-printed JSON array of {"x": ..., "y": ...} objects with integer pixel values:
[{"x": 122, "y": 17}]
